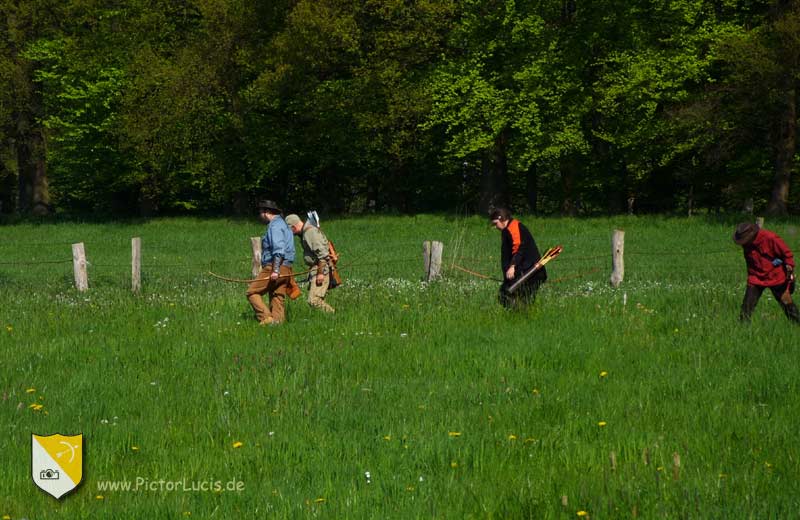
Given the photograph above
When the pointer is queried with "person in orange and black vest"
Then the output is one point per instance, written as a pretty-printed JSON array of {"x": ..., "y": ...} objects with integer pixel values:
[
  {"x": 518, "y": 253},
  {"x": 770, "y": 264}
]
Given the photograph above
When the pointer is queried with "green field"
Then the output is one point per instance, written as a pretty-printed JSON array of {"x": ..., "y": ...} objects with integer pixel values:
[{"x": 414, "y": 400}]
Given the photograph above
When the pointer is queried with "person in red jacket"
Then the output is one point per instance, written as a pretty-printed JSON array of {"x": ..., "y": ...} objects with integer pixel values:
[
  {"x": 770, "y": 264},
  {"x": 518, "y": 253}
]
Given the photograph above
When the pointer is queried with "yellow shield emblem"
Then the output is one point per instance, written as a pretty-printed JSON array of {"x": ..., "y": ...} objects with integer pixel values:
[{"x": 57, "y": 462}]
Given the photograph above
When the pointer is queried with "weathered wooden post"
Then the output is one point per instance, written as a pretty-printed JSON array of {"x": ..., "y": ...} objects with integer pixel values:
[
  {"x": 79, "y": 267},
  {"x": 760, "y": 222},
  {"x": 136, "y": 264},
  {"x": 617, "y": 257},
  {"x": 432, "y": 256},
  {"x": 255, "y": 245}
]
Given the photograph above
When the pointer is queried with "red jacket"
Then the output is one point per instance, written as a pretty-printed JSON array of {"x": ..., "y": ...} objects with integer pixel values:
[{"x": 760, "y": 254}]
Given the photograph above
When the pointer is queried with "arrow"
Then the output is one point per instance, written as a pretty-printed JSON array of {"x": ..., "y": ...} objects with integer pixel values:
[{"x": 548, "y": 255}]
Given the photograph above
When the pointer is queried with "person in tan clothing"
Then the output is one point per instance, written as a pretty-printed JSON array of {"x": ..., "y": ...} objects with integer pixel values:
[
  {"x": 316, "y": 254},
  {"x": 275, "y": 277}
]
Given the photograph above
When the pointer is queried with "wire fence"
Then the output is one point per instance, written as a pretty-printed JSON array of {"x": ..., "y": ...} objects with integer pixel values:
[{"x": 109, "y": 264}]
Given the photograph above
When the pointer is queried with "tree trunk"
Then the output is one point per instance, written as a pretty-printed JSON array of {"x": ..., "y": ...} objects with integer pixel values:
[
  {"x": 532, "y": 187},
  {"x": 8, "y": 189},
  {"x": 495, "y": 175},
  {"x": 785, "y": 147},
  {"x": 33, "y": 193},
  {"x": 568, "y": 207}
]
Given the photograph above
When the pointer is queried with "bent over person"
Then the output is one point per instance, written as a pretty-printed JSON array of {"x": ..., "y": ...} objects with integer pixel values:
[
  {"x": 316, "y": 254},
  {"x": 518, "y": 254},
  {"x": 276, "y": 277},
  {"x": 770, "y": 265}
]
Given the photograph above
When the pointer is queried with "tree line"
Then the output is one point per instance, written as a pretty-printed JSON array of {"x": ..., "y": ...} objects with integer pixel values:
[{"x": 551, "y": 106}]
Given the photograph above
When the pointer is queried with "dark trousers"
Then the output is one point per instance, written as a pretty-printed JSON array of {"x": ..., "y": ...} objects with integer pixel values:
[
  {"x": 524, "y": 295},
  {"x": 784, "y": 299}
]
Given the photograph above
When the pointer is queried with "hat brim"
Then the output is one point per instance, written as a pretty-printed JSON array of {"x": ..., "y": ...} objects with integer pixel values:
[{"x": 745, "y": 238}]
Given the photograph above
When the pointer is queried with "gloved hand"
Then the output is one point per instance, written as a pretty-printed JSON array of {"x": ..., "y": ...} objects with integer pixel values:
[{"x": 276, "y": 268}]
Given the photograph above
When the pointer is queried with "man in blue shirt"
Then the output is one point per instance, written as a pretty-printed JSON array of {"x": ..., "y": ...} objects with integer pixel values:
[{"x": 276, "y": 277}]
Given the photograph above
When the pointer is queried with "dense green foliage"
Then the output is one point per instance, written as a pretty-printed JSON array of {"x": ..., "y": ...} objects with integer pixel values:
[
  {"x": 453, "y": 406},
  {"x": 571, "y": 106}
]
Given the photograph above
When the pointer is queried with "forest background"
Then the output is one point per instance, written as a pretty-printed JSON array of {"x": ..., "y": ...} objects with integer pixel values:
[{"x": 145, "y": 107}]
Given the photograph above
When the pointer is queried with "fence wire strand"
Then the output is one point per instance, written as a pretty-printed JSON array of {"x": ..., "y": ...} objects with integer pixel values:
[{"x": 464, "y": 265}]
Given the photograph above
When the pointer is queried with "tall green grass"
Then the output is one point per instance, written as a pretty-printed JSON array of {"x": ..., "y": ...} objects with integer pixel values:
[{"x": 454, "y": 407}]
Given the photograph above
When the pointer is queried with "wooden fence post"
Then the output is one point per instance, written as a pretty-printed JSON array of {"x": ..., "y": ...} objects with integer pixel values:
[
  {"x": 255, "y": 245},
  {"x": 760, "y": 222},
  {"x": 136, "y": 264},
  {"x": 432, "y": 257},
  {"x": 79, "y": 267},
  {"x": 617, "y": 257}
]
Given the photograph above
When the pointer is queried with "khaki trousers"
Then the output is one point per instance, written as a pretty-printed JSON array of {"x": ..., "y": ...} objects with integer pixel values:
[
  {"x": 316, "y": 293},
  {"x": 277, "y": 290}
]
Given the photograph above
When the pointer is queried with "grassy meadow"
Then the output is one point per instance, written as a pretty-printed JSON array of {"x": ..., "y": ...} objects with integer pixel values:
[{"x": 414, "y": 400}]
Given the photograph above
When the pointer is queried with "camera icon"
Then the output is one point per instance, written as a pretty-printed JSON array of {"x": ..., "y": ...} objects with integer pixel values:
[{"x": 49, "y": 474}]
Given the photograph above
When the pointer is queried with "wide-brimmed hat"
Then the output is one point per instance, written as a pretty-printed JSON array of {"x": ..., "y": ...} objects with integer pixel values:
[
  {"x": 269, "y": 205},
  {"x": 291, "y": 220},
  {"x": 745, "y": 233}
]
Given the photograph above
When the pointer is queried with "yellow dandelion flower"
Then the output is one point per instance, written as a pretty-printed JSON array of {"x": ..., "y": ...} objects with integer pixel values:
[
  {"x": 409, "y": 488},
  {"x": 529, "y": 440},
  {"x": 9, "y": 328},
  {"x": 535, "y": 391},
  {"x": 134, "y": 448},
  {"x": 512, "y": 437},
  {"x": 187, "y": 513},
  {"x": 601, "y": 424},
  {"x": 387, "y": 437},
  {"x": 768, "y": 465},
  {"x": 454, "y": 434},
  {"x": 603, "y": 373},
  {"x": 583, "y": 513},
  {"x": 660, "y": 468},
  {"x": 320, "y": 500},
  {"x": 30, "y": 390},
  {"x": 36, "y": 407},
  {"x": 454, "y": 464},
  {"x": 723, "y": 475},
  {"x": 238, "y": 444},
  {"x": 6, "y": 517},
  {"x": 99, "y": 497}
]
